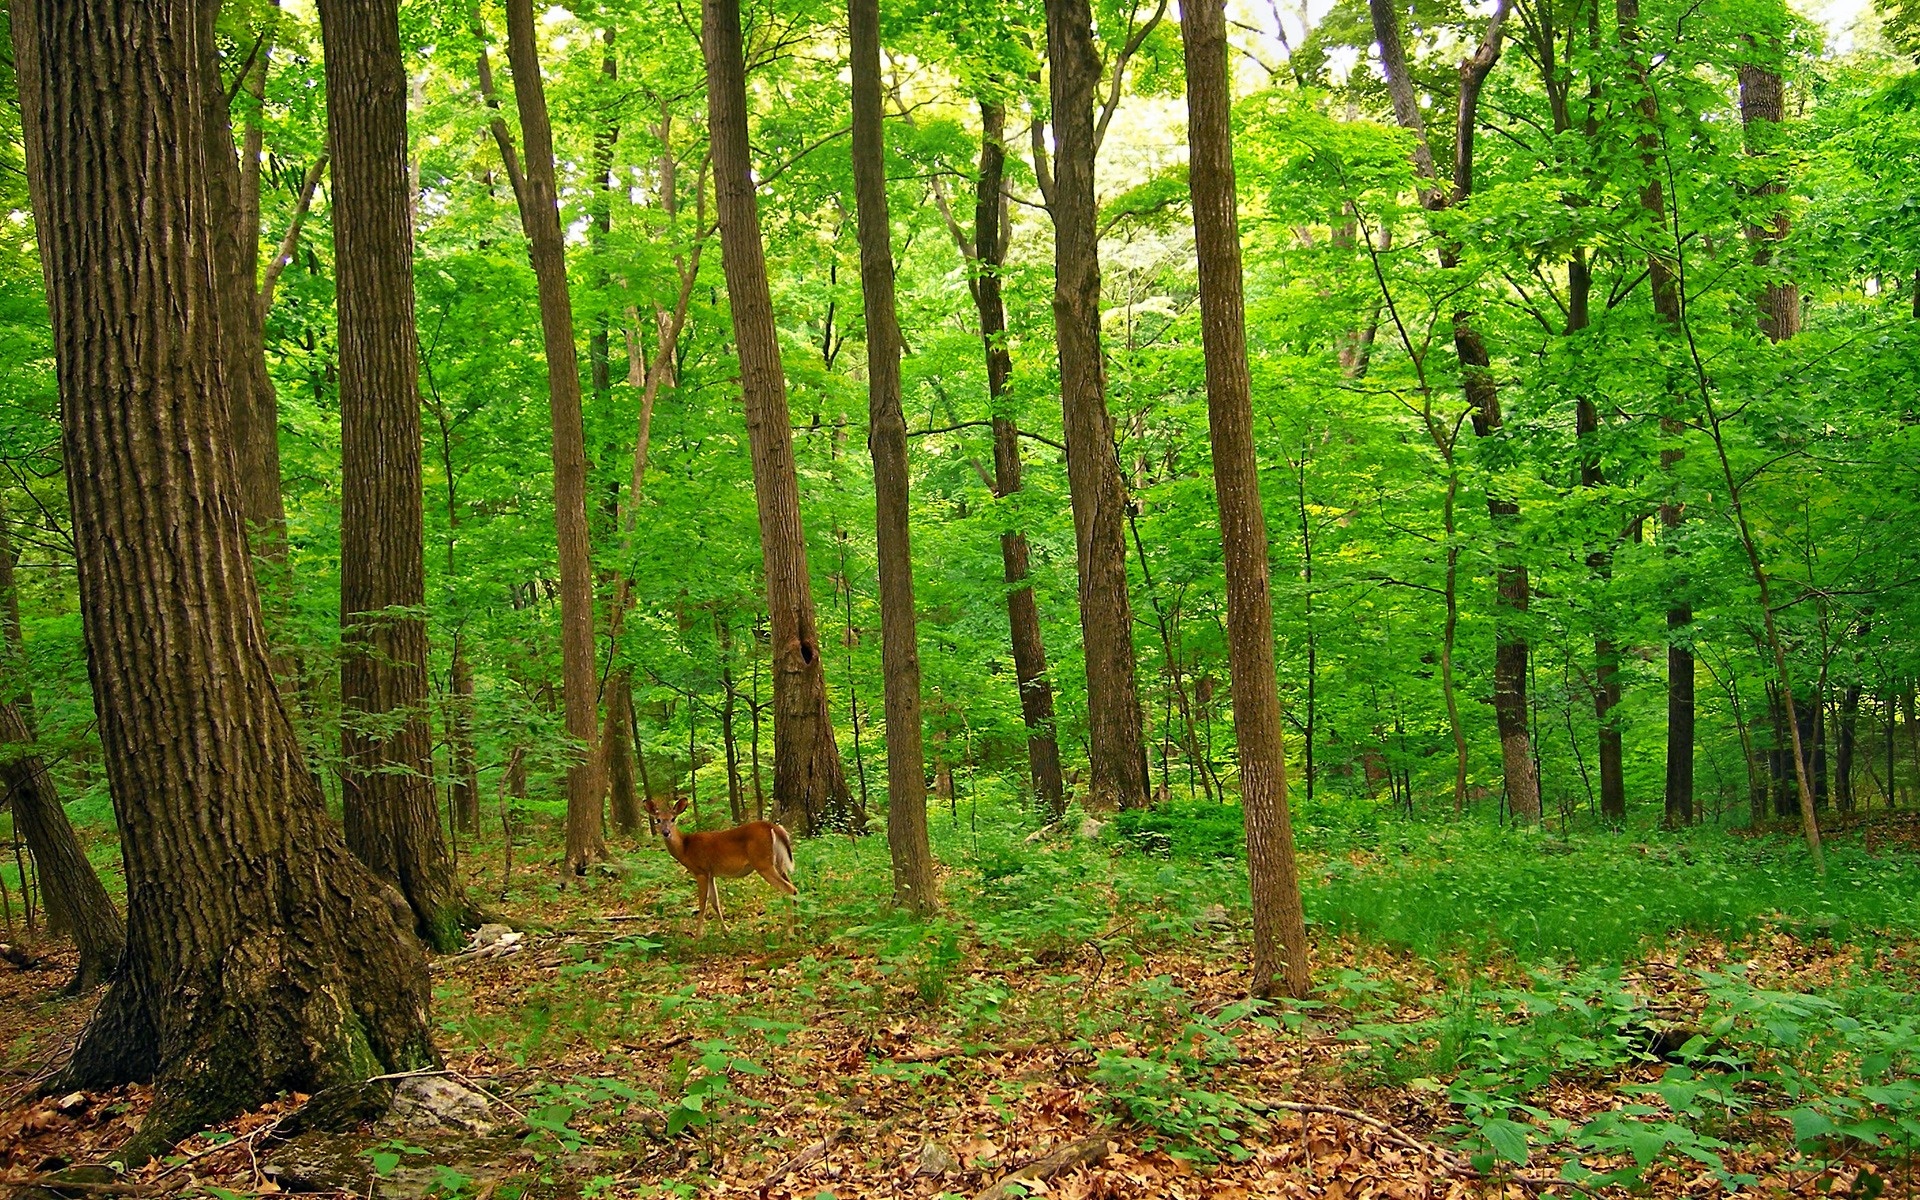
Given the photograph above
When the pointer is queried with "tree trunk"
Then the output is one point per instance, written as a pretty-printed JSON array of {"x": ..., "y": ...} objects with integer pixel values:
[
  {"x": 1279, "y": 926},
  {"x": 1117, "y": 748},
  {"x": 1512, "y": 586},
  {"x": 914, "y": 886},
  {"x": 12, "y": 635},
  {"x": 1667, "y": 308},
  {"x": 1779, "y": 767},
  {"x": 1606, "y": 656},
  {"x": 466, "y": 771},
  {"x": 620, "y": 749},
  {"x": 392, "y": 822},
  {"x": 809, "y": 788},
  {"x": 1762, "y": 108},
  {"x": 234, "y": 193},
  {"x": 990, "y": 225},
  {"x": 604, "y": 140},
  {"x": 261, "y": 957},
  {"x": 540, "y": 214},
  {"x": 76, "y": 902},
  {"x": 729, "y": 705},
  {"x": 1849, "y": 721}
]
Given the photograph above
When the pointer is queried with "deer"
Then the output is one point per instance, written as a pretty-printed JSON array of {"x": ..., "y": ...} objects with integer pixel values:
[{"x": 762, "y": 846}]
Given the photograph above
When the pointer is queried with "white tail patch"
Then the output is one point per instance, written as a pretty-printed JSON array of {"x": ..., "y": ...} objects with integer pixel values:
[{"x": 782, "y": 852}]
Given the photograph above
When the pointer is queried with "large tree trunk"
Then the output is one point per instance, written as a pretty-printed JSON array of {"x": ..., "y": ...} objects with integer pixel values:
[
  {"x": 914, "y": 886},
  {"x": 1512, "y": 586},
  {"x": 990, "y": 227},
  {"x": 387, "y": 775},
  {"x": 261, "y": 957},
  {"x": 1116, "y": 738},
  {"x": 1279, "y": 927},
  {"x": 809, "y": 788},
  {"x": 76, "y": 901},
  {"x": 540, "y": 214}
]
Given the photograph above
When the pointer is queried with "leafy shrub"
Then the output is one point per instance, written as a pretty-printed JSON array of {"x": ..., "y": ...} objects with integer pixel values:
[{"x": 1193, "y": 829}]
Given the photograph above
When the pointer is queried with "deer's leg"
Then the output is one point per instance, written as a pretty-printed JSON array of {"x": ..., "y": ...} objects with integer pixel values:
[
  {"x": 702, "y": 883},
  {"x": 713, "y": 884},
  {"x": 772, "y": 875}
]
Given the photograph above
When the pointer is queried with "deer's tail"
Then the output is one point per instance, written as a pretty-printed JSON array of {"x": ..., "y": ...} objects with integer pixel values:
[{"x": 783, "y": 852}]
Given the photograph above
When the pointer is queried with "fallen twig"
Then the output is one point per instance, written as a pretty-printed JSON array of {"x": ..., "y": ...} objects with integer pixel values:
[
  {"x": 245, "y": 1140},
  {"x": 1452, "y": 1161},
  {"x": 1082, "y": 1153},
  {"x": 56, "y": 1183},
  {"x": 806, "y": 1158},
  {"x": 926, "y": 1056}
]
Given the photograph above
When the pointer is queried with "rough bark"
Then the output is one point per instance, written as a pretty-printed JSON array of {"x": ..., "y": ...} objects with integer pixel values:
[
  {"x": 1116, "y": 737},
  {"x": 261, "y": 957},
  {"x": 254, "y": 422},
  {"x": 809, "y": 787},
  {"x": 387, "y": 793},
  {"x": 914, "y": 886},
  {"x": 990, "y": 227},
  {"x": 1279, "y": 926},
  {"x": 1762, "y": 108},
  {"x": 76, "y": 902},
  {"x": 540, "y": 213},
  {"x": 1512, "y": 586}
]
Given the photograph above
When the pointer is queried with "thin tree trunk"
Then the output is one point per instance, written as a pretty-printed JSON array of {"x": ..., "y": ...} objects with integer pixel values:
[
  {"x": 1450, "y": 627},
  {"x": 809, "y": 788},
  {"x": 1606, "y": 656},
  {"x": 234, "y": 192},
  {"x": 261, "y": 957},
  {"x": 604, "y": 140},
  {"x": 1849, "y": 719},
  {"x": 466, "y": 767},
  {"x": 76, "y": 902},
  {"x": 914, "y": 886},
  {"x": 1279, "y": 926},
  {"x": 1666, "y": 306},
  {"x": 12, "y": 637},
  {"x": 736, "y": 796},
  {"x": 540, "y": 214},
  {"x": 1117, "y": 747},
  {"x": 1476, "y": 379},
  {"x": 990, "y": 226},
  {"x": 392, "y": 822}
]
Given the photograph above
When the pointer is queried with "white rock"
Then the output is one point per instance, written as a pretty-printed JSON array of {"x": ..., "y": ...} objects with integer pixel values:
[
  {"x": 935, "y": 1160},
  {"x": 435, "y": 1101}
]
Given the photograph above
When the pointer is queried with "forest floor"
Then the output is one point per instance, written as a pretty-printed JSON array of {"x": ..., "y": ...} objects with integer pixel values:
[{"x": 1498, "y": 1014}]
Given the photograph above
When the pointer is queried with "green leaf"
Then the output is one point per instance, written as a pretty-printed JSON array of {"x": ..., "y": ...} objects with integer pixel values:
[{"x": 1508, "y": 1138}]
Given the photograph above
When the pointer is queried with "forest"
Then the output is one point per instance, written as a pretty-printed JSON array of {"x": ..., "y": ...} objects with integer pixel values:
[{"x": 976, "y": 598}]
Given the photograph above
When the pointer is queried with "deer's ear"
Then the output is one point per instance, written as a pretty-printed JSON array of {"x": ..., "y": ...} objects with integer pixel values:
[{"x": 679, "y": 808}]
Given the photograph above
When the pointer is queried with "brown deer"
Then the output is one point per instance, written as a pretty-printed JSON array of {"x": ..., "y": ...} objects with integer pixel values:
[{"x": 761, "y": 846}]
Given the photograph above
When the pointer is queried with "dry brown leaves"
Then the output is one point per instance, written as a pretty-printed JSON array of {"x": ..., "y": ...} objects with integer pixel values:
[{"x": 893, "y": 1100}]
